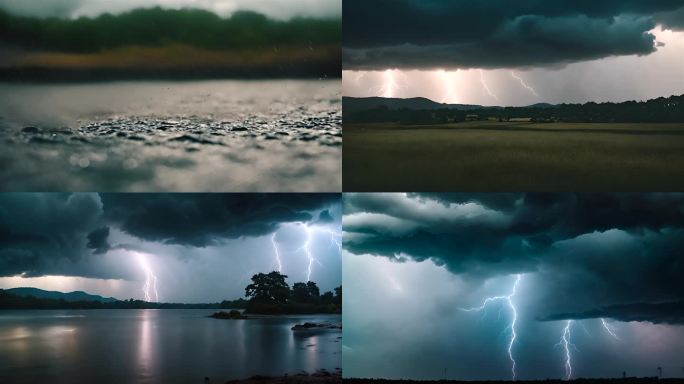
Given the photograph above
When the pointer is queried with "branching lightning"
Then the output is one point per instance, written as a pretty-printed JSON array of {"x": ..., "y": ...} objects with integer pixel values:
[
  {"x": 609, "y": 328},
  {"x": 508, "y": 299},
  {"x": 277, "y": 253},
  {"x": 565, "y": 343},
  {"x": 486, "y": 87},
  {"x": 524, "y": 84},
  {"x": 150, "y": 286},
  {"x": 335, "y": 238},
  {"x": 307, "y": 250}
]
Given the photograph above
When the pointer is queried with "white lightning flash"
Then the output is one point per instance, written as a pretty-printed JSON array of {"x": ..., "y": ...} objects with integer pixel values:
[
  {"x": 609, "y": 328},
  {"x": 565, "y": 343},
  {"x": 508, "y": 299},
  {"x": 335, "y": 238},
  {"x": 307, "y": 250},
  {"x": 390, "y": 84},
  {"x": 150, "y": 286},
  {"x": 277, "y": 253},
  {"x": 486, "y": 87},
  {"x": 448, "y": 79},
  {"x": 524, "y": 84}
]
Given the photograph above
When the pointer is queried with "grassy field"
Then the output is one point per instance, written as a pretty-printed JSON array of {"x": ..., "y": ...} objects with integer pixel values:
[{"x": 493, "y": 156}]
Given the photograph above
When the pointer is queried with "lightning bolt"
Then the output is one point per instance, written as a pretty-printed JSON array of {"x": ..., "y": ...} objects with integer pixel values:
[
  {"x": 150, "y": 286},
  {"x": 486, "y": 87},
  {"x": 448, "y": 79},
  {"x": 335, "y": 238},
  {"x": 277, "y": 253},
  {"x": 523, "y": 83},
  {"x": 508, "y": 299},
  {"x": 389, "y": 86},
  {"x": 565, "y": 343},
  {"x": 609, "y": 328},
  {"x": 307, "y": 250}
]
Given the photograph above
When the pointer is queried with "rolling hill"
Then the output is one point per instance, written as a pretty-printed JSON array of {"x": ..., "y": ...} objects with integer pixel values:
[{"x": 70, "y": 296}]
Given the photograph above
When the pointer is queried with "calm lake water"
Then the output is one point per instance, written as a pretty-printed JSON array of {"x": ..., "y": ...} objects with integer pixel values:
[
  {"x": 152, "y": 346},
  {"x": 230, "y": 136}
]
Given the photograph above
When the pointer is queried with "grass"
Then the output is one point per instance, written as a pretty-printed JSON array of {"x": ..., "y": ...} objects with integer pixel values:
[{"x": 493, "y": 156}]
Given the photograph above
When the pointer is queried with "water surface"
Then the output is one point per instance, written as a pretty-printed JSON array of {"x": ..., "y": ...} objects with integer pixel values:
[
  {"x": 152, "y": 346},
  {"x": 203, "y": 136}
]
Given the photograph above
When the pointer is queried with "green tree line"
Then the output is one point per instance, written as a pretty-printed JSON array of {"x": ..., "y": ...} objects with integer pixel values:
[
  {"x": 269, "y": 293},
  {"x": 660, "y": 110},
  {"x": 157, "y": 26}
]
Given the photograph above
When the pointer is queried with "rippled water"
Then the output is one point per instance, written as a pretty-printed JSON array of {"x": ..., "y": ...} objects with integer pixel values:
[
  {"x": 283, "y": 135},
  {"x": 157, "y": 346}
]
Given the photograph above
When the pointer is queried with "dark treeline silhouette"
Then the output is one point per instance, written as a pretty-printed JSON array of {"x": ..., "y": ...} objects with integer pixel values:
[
  {"x": 270, "y": 294},
  {"x": 157, "y": 26},
  {"x": 12, "y": 301},
  {"x": 156, "y": 43},
  {"x": 660, "y": 110},
  {"x": 267, "y": 294}
]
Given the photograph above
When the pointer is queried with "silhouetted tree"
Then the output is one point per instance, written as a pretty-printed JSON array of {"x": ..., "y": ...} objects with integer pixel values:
[
  {"x": 338, "y": 294},
  {"x": 268, "y": 288}
]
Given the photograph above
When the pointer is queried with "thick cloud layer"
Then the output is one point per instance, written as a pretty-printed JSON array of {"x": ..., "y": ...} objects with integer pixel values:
[
  {"x": 669, "y": 312},
  {"x": 202, "y": 220},
  {"x": 63, "y": 233},
  {"x": 585, "y": 251},
  {"x": 410, "y": 34}
]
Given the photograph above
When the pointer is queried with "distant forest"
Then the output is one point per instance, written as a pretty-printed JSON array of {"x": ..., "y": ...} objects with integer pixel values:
[
  {"x": 12, "y": 301},
  {"x": 157, "y": 26},
  {"x": 660, "y": 110},
  {"x": 156, "y": 43},
  {"x": 267, "y": 294}
]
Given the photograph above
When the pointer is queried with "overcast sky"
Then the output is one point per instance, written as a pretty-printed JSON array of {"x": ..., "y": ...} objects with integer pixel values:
[
  {"x": 201, "y": 248},
  {"x": 413, "y": 265},
  {"x": 277, "y": 9},
  {"x": 519, "y": 53}
]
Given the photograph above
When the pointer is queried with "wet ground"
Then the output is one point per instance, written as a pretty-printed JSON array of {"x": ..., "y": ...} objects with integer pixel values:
[{"x": 172, "y": 136}]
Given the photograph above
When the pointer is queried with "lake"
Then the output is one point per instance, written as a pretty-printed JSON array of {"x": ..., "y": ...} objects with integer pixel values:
[
  {"x": 186, "y": 136},
  {"x": 151, "y": 346}
]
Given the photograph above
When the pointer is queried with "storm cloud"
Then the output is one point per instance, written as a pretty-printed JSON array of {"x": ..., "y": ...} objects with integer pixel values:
[
  {"x": 68, "y": 234},
  {"x": 407, "y": 34},
  {"x": 583, "y": 251}
]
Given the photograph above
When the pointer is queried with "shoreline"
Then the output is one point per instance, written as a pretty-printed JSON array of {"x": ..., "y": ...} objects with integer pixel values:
[{"x": 321, "y": 376}]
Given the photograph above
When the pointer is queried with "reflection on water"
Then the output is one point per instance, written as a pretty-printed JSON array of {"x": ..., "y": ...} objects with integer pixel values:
[
  {"x": 157, "y": 346},
  {"x": 145, "y": 351},
  {"x": 283, "y": 135}
]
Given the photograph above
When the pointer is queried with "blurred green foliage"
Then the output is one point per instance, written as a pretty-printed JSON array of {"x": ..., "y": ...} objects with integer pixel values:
[{"x": 157, "y": 26}]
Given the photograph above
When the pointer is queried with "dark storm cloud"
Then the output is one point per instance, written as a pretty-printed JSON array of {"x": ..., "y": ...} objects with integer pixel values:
[
  {"x": 38, "y": 230},
  {"x": 97, "y": 240},
  {"x": 672, "y": 20},
  {"x": 325, "y": 217},
  {"x": 67, "y": 233},
  {"x": 668, "y": 313},
  {"x": 411, "y": 34},
  {"x": 591, "y": 250},
  {"x": 202, "y": 220}
]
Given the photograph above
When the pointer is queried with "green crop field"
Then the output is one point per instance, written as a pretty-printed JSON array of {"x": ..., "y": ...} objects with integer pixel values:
[{"x": 494, "y": 156}]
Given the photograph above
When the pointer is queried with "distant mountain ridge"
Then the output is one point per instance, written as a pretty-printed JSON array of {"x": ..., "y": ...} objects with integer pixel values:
[
  {"x": 358, "y": 104},
  {"x": 56, "y": 295}
]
